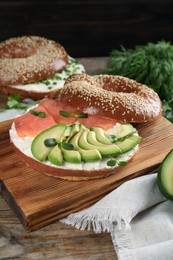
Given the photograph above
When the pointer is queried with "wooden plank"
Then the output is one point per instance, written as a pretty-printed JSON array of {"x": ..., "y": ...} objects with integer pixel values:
[
  {"x": 56, "y": 241},
  {"x": 39, "y": 200}
]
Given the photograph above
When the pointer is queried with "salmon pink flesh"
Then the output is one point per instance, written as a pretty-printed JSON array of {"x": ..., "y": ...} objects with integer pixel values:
[{"x": 31, "y": 124}]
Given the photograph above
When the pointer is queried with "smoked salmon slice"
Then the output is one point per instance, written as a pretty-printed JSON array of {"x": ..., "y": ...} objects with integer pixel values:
[
  {"x": 31, "y": 124},
  {"x": 98, "y": 121},
  {"x": 54, "y": 106}
]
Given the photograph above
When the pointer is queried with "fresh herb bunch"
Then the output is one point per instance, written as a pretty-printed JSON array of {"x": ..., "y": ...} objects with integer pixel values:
[{"x": 150, "y": 64}]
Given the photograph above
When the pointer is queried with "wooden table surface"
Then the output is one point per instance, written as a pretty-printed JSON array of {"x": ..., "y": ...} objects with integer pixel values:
[{"x": 55, "y": 241}]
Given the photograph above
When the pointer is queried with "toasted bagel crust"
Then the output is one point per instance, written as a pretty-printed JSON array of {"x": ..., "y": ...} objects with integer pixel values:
[
  {"x": 112, "y": 96},
  {"x": 29, "y": 59}
]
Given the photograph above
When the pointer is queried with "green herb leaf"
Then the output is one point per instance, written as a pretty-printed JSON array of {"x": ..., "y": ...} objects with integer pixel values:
[
  {"x": 46, "y": 82},
  {"x": 67, "y": 114},
  {"x": 121, "y": 139},
  {"x": 57, "y": 77},
  {"x": 50, "y": 142},
  {"x": 111, "y": 163},
  {"x": 37, "y": 113},
  {"x": 14, "y": 102},
  {"x": 42, "y": 114},
  {"x": 122, "y": 163},
  {"x": 15, "y": 97},
  {"x": 33, "y": 112},
  {"x": 67, "y": 146},
  {"x": 112, "y": 138},
  {"x": 64, "y": 113},
  {"x": 168, "y": 109},
  {"x": 81, "y": 115}
]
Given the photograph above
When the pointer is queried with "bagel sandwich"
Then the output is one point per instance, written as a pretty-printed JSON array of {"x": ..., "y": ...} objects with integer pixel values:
[
  {"x": 55, "y": 139},
  {"x": 34, "y": 67}
]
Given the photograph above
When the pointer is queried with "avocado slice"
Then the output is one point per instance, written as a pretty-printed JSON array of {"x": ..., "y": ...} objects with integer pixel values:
[
  {"x": 90, "y": 155},
  {"x": 129, "y": 143},
  {"x": 165, "y": 176},
  {"x": 87, "y": 146},
  {"x": 100, "y": 135},
  {"x": 75, "y": 128},
  {"x": 38, "y": 148},
  {"x": 67, "y": 132},
  {"x": 92, "y": 138},
  {"x": 86, "y": 155},
  {"x": 105, "y": 150},
  {"x": 125, "y": 131},
  {"x": 71, "y": 156},
  {"x": 55, "y": 156},
  {"x": 74, "y": 140}
]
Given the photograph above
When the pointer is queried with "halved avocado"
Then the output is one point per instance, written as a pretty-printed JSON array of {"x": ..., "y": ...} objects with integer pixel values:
[
  {"x": 105, "y": 150},
  {"x": 38, "y": 148},
  {"x": 129, "y": 143},
  {"x": 165, "y": 176}
]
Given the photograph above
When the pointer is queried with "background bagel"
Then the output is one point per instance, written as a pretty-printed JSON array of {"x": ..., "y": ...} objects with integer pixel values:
[
  {"x": 30, "y": 58},
  {"x": 27, "y": 60},
  {"x": 112, "y": 96}
]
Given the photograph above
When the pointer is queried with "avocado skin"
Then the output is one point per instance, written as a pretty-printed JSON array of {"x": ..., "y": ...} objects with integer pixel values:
[{"x": 165, "y": 165}]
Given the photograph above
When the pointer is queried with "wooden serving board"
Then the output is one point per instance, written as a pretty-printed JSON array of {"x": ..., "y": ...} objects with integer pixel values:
[{"x": 39, "y": 200}]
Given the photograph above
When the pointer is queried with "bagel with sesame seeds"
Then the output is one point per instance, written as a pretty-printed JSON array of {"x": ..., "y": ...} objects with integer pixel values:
[
  {"x": 53, "y": 140},
  {"x": 28, "y": 62},
  {"x": 110, "y": 96}
]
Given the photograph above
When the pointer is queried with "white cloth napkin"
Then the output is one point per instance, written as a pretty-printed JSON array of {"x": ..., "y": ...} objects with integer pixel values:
[{"x": 138, "y": 217}]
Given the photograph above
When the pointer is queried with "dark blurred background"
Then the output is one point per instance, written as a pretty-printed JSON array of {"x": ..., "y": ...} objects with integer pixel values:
[{"x": 89, "y": 28}]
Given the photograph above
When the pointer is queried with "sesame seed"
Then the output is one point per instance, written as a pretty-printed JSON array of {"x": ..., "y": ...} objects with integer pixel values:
[{"x": 113, "y": 96}]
